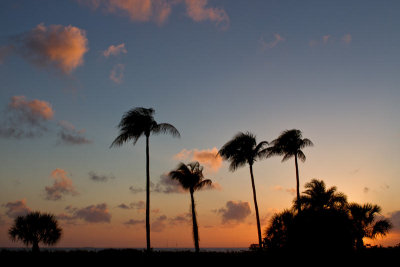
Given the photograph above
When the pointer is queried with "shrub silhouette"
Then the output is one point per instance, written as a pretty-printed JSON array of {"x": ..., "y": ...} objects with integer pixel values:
[
  {"x": 326, "y": 222},
  {"x": 35, "y": 228}
]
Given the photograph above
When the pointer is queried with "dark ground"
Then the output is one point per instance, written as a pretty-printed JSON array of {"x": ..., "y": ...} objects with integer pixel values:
[{"x": 131, "y": 257}]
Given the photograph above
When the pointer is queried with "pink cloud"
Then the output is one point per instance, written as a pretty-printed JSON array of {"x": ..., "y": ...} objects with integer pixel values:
[
  {"x": 114, "y": 50},
  {"x": 33, "y": 109},
  {"x": 51, "y": 46},
  {"x": 325, "y": 39},
  {"x": 207, "y": 157},
  {"x": 268, "y": 45},
  {"x": 347, "y": 38},
  {"x": 62, "y": 186},
  {"x": 158, "y": 11},
  {"x": 17, "y": 208},
  {"x": 198, "y": 11}
]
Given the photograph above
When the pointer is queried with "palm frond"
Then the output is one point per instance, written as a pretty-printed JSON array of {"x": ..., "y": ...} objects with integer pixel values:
[
  {"x": 165, "y": 128},
  {"x": 381, "y": 228},
  {"x": 203, "y": 184}
]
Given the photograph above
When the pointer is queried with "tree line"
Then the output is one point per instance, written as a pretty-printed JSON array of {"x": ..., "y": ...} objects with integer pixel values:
[{"x": 315, "y": 207}]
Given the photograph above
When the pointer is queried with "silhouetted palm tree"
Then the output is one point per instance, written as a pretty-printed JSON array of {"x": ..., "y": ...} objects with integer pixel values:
[
  {"x": 139, "y": 122},
  {"x": 241, "y": 150},
  {"x": 317, "y": 197},
  {"x": 289, "y": 144},
  {"x": 366, "y": 223},
  {"x": 35, "y": 228},
  {"x": 191, "y": 178}
]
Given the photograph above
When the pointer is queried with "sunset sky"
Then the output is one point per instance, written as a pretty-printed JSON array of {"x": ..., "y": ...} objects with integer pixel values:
[{"x": 70, "y": 69}]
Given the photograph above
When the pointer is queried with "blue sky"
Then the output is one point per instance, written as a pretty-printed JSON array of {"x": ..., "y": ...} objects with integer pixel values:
[{"x": 329, "y": 68}]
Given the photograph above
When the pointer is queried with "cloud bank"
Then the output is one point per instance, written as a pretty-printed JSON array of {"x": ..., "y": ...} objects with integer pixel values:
[{"x": 115, "y": 50}]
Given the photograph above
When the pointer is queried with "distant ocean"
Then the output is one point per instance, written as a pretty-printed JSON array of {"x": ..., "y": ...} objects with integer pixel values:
[{"x": 154, "y": 249}]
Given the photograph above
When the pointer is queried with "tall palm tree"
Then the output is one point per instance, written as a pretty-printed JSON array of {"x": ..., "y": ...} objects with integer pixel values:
[
  {"x": 243, "y": 149},
  {"x": 191, "y": 178},
  {"x": 366, "y": 223},
  {"x": 317, "y": 197},
  {"x": 35, "y": 228},
  {"x": 139, "y": 122},
  {"x": 290, "y": 144}
]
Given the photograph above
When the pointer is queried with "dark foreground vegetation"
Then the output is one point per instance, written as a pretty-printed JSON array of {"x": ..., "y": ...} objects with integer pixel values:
[{"x": 131, "y": 257}]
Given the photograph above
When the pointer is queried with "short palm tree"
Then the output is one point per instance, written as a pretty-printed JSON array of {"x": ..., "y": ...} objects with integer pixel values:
[
  {"x": 139, "y": 122},
  {"x": 35, "y": 228},
  {"x": 241, "y": 150},
  {"x": 191, "y": 178},
  {"x": 317, "y": 197},
  {"x": 366, "y": 224},
  {"x": 290, "y": 144}
]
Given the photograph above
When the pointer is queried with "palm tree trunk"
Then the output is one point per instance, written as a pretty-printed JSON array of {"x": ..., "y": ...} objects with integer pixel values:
[
  {"x": 256, "y": 207},
  {"x": 195, "y": 226},
  {"x": 297, "y": 184},
  {"x": 35, "y": 247},
  {"x": 147, "y": 195}
]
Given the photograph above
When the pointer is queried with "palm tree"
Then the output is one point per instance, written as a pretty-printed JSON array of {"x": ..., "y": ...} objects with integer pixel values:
[
  {"x": 139, "y": 122},
  {"x": 191, "y": 178},
  {"x": 289, "y": 144},
  {"x": 366, "y": 224},
  {"x": 35, "y": 227},
  {"x": 318, "y": 198},
  {"x": 241, "y": 150}
]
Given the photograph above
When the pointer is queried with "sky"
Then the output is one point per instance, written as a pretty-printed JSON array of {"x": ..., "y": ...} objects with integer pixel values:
[{"x": 70, "y": 69}]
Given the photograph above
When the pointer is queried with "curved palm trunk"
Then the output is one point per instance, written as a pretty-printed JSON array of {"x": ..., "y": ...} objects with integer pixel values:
[
  {"x": 147, "y": 195},
  {"x": 297, "y": 184},
  {"x": 195, "y": 226},
  {"x": 256, "y": 207}
]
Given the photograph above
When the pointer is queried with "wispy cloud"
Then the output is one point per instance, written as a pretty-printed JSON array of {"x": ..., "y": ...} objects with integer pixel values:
[
  {"x": 54, "y": 46},
  {"x": 16, "y": 208},
  {"x": 115, "y": 50},
  {"x": 159, "y": 224},
  {"x": 272, "y": 43},
  {"x": 347, "y": 38},
  {"x": 69, "y": 135},
  {"x": 138, "y": 206},
  {"x": 62, "y": 186},
  {"x": 25, "y": 118},
  {"x": 100, "y": 177},
  {"x": 198, "y": 11},
  {"x": 207, "y": 157},
  {"x": 117, "y": 73},
  {"x": 134, "y": 222},
  {"x": 291, "y": 191}
]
